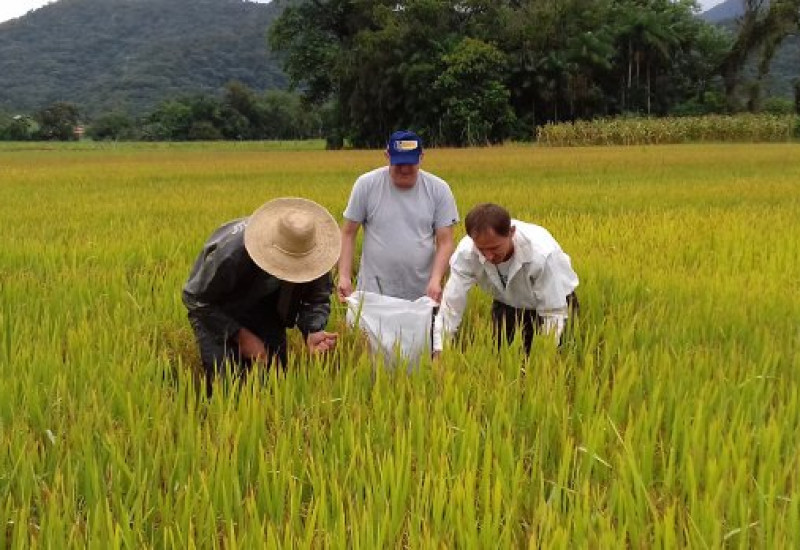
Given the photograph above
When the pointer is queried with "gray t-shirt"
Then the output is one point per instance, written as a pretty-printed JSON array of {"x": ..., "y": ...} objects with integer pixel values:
[{"x": 399, "y": 231}]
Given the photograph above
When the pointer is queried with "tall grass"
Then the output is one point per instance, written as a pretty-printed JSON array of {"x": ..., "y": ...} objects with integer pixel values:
[
  {"x": 670, "y": 420},
  {"x": 742, "y": 128}
]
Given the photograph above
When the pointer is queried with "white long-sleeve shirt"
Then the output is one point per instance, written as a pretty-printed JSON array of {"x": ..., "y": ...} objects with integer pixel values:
[{"x": 540, "y": 277}]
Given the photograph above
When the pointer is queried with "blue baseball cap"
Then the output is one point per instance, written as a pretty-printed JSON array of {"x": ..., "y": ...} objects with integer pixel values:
[{"x": 404, "y": 147}]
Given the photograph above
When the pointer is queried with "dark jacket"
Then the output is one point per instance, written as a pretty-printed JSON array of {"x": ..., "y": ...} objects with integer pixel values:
[{"x": 226, "y": 287}]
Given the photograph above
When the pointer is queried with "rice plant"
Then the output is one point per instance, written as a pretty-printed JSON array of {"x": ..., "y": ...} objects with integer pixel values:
[{"x": 670, "y": 419}]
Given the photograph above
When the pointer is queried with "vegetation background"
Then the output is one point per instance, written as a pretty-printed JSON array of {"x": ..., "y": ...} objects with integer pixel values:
[{"x": 459, "y": 73}]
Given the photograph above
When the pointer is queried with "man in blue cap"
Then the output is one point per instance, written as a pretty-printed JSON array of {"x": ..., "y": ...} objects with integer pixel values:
[{"x": 408, "y": 217}]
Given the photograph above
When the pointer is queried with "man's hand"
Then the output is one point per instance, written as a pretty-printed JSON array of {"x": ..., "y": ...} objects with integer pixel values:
[
  {"x": 321, "y": 341},
  {"x": 251, "y": 346},
  {"x": 344, "y": 288},
  {"x": 434, "y": 291}
]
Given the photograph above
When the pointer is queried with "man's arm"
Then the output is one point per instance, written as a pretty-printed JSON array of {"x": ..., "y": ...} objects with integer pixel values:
[
  {"x": 315, "y": 305},
  {"x": 445, "y": 245},
  {"x": 344, "y": 287},
  {"x": 214, "y": 277},
  {"x": 555, "y": 282},
  {"x": 454, "y": 301},
  {"x": 213, "y": 280}
]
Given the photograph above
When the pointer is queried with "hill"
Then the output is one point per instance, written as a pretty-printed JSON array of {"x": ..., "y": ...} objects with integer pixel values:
[
  {"x": 129, "y": 55},
  {"x": 783, "y": 70},
  {"x": 727, "y": 10}
]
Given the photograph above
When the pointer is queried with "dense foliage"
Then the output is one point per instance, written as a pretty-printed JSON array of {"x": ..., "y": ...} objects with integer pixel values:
[
  {"x": 760, "y": 31},
  {"x": 478, "y": 71},
  {"x": 238, "y": 114},
  {"x": 459, "y": 71}
]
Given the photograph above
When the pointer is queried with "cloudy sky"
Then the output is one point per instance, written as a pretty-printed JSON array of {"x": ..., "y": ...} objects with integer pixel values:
[{"x": 14, "y": 8}]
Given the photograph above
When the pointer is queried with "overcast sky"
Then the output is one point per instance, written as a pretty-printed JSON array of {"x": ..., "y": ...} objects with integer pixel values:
[{"x": 14, "y": 8}]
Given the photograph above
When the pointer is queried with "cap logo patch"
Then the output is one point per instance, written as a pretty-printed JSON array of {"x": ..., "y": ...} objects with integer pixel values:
[{"x": 406, "y": 145}]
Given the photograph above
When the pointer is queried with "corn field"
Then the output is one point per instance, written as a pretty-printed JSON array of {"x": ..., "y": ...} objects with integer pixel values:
[
  {"x": 671, "y": 418},
  {"x": 742, "y": 128}
]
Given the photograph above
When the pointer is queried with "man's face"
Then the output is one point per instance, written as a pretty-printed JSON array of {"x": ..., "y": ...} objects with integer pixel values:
[
  {"x": 495, "y": 248},
  {"x": 404, "y": 176}
]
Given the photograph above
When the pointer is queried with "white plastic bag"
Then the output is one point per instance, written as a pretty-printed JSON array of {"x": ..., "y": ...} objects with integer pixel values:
[{"x": 395, "y": 327}]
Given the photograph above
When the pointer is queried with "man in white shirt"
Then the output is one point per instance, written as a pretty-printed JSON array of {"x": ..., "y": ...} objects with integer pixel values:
[{"x": 524, "y": 269}]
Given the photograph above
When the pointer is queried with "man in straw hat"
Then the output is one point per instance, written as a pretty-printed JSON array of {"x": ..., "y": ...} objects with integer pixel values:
[
  {"x": 258, "y": 276},
  {"x": 408, "y": 217}
]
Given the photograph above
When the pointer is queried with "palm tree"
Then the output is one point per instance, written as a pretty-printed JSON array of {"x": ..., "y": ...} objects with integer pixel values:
[{"x": 649, "y": 39}]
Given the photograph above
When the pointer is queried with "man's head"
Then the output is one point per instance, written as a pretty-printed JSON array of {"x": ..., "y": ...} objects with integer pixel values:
[
  {"x": 404, "y": 151},
  {"x": 489, "y": 227},
  {"x": 293, "y": 239}
]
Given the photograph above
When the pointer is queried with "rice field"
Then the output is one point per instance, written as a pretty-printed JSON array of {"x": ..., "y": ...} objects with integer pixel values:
[{"x": 672, "y": 419}]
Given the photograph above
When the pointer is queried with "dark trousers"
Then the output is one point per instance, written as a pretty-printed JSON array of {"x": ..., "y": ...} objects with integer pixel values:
[
  {"x": 219, "y": 353},
  {"x": 506, "y": 320}
]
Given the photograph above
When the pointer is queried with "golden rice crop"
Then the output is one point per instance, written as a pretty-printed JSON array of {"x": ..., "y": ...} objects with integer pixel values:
[{"x": 672, "y": 419}]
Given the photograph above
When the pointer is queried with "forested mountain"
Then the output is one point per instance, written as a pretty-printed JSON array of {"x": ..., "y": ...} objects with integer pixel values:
[
  {"x": 785, "y": 63},
  {"x": 129, "y": 55},
  {"x": 785, "y": 68},
  {"x": 727, "y": 10}
]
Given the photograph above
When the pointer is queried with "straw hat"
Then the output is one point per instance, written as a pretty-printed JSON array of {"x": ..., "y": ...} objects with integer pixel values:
[{"x": 294, "y": 239}]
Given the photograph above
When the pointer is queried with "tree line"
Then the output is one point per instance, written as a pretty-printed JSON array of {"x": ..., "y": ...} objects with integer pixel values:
[
  {"x": 239, "y": 113},
  {"x": 480, "y": 71},
  {"x": 464, "y": 72}
]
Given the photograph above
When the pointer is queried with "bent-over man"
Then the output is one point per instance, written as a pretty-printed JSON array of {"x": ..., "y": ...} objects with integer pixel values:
[
  {"x": 258, "y": 276},
  {"x": 523, "y": 268}
]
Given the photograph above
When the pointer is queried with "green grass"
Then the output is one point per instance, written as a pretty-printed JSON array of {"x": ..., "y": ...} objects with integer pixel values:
[{"x": 671, "y": 420}]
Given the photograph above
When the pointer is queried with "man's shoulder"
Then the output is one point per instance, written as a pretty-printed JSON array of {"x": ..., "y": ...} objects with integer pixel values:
[
  {"x": 227, "y": 241},
  {"x": 538, "y": 238},
  {"x": 373, "y": 177},
  {"x": 439, "y": 191},
  {"x": 230, "y": 230},
  {"x": 466, "y": 248},
  {"x": 465, "y": 258},
  {"x": 432, "y": 179},
  {"x": 531, "y": 229}
]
